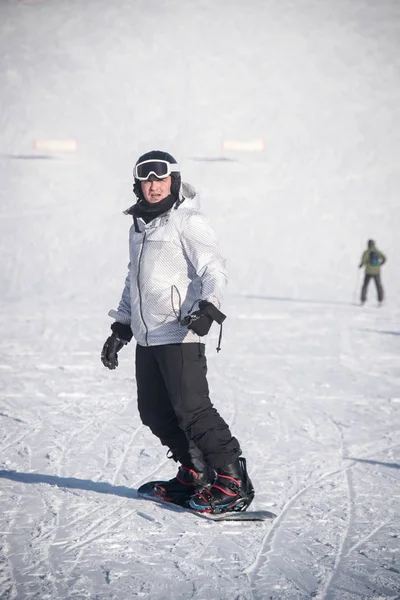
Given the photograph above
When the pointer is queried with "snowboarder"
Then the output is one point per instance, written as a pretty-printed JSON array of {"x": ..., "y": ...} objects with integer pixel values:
[
  {"x": 372, "y": 259},
  {"x": 172, "y": 294}
]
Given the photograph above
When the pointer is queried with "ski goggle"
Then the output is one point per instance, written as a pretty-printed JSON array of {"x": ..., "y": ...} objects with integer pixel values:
[{"x": 159, "y": 168}]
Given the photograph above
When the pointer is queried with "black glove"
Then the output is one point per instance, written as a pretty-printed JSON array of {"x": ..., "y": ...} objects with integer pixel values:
[
  {"x": 201, "y": 320},
  {"x": 109, "y": 353},
  {"x": 122, "y": 331},
  {"x": 121, "y": 335}
]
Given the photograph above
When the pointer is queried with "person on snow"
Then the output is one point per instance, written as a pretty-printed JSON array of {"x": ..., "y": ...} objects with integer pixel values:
[
  {"x": 372, "y": 259},
  {"x": 172, "y": 294}
]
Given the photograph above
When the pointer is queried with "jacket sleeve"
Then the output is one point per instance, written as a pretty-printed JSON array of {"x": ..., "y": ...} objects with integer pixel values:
[
  {"x": 123, "y": 312},
  {"x": 382, "y": 257},
  {"x": 201, "y": 247},
  {"x": 364, "y": 259}
]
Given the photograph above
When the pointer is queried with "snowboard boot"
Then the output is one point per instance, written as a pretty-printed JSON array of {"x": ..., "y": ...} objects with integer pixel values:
[
  {"x": 183, "y": 485},
  {"x": 230, "y": 491}
]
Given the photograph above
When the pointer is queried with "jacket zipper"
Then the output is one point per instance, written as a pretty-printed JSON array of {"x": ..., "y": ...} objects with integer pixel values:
[{"x": 139, "y": 292}]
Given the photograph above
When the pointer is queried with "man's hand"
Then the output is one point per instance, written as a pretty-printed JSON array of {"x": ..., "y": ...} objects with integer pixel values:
[
  {"x": 201, "y": 320},
  {"x": 109, "y": 353}
]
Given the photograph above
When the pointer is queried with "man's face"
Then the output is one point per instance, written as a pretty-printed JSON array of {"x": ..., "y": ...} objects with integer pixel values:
[{"x": 155, "y": 189}]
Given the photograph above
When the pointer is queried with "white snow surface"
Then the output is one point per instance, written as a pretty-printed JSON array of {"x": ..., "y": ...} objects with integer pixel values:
[{"x": 308, "y": 380}]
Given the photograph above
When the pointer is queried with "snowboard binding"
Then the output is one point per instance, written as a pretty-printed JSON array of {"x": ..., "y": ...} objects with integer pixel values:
[{"x": 231, "y": 491}]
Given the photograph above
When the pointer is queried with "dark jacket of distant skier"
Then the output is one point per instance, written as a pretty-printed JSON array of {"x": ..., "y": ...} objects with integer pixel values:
[
  {"x": 174, "y": 263},
  {"x": 372, "y": 259}
]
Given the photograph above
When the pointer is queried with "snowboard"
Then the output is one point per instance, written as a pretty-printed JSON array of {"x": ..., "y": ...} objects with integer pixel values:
[{"x": 145, "y": 492}]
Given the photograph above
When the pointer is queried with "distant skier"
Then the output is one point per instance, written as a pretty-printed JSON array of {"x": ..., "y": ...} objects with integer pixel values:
[
  {"x": 372, "y": 259},
  {"x": 172, "y": 294}
]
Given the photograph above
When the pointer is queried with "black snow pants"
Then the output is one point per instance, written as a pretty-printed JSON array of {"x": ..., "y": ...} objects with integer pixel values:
[
  {"x": 173, "y": 401},
  {"x": 379, "y": 288}
]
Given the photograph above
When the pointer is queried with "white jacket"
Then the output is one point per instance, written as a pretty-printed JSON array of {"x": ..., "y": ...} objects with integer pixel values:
[{"x": 174, "y": 263}]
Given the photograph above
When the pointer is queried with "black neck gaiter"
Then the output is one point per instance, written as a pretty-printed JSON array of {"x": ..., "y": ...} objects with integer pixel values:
[{"x": 148, "y": 211}]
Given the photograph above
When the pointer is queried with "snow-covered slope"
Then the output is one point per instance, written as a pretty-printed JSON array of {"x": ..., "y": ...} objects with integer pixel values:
[{"x": 308, "y": 380}]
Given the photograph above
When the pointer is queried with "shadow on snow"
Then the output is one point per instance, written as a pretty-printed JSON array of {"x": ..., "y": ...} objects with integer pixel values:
[
  {"x": 100, "y": 487},
  {"x": 375, "y": 462},
  {"x": 384, "y": 332}
]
